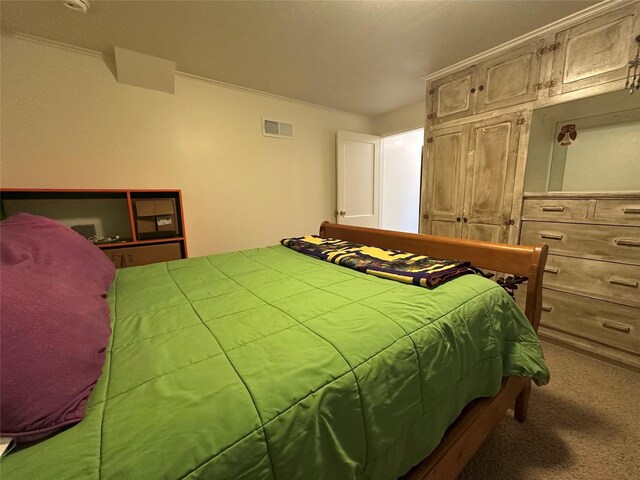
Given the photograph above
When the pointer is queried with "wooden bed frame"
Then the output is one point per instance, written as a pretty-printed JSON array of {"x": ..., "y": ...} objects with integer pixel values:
[{"x": 479, "y": 418}]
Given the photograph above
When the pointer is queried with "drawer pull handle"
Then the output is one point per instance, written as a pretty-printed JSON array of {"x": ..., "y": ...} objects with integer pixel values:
[
  {"x": 631, "y": 210},
  {"x": 547, "y": 308},
  {"x": 616, "y": 326},
  {"x": 628, "y": 282},
  {"x": 553, "y": 209},
  {"x": 627, "y": 242},
  {"x": 551, "y": 270},
  {"x": 552, "y": 236}
]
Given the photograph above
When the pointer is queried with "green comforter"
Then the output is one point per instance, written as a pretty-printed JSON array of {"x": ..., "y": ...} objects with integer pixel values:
[{"x": 269, "y": 364}]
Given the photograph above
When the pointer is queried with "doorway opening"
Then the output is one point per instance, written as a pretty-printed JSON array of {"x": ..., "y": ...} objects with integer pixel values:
[{"x": 401, "y": 175}]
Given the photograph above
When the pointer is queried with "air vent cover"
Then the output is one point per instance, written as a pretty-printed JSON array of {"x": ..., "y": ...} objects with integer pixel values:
[{"x": 275, "y": 128}]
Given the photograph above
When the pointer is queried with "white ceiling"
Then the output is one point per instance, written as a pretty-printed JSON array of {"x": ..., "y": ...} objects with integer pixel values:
[{"x": 364, "y": 57}]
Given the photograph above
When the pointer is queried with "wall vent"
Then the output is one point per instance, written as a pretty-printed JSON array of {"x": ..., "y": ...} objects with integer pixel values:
[{"x": 275, "y": 128}]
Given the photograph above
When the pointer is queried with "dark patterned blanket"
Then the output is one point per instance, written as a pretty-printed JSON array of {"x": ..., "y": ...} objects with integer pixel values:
[{"x": 393, "y": 264}]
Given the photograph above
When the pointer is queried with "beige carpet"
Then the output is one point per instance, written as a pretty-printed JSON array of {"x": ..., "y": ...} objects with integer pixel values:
[{"x": 585, "y": 424}]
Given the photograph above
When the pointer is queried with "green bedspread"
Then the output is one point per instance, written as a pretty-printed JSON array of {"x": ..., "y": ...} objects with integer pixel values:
[{"x": 270, "y": 364}]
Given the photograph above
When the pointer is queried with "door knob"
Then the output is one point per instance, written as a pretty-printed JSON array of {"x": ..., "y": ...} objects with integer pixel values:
[{"x": 342, "y": 213}]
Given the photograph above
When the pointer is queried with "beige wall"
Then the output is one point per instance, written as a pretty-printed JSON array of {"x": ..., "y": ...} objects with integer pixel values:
[
  {"x": 67, "y": 123},
  {"x": 400, "y": 120}
]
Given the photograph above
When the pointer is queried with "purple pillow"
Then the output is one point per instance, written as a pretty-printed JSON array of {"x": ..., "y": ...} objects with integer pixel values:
[{"x": 54, "y": 327}]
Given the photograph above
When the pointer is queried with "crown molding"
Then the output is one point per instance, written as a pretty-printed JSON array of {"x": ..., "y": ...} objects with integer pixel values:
[
  {"x": 558, "y": 25},
  {"x": 96, "y": 54},
  {"x": 262, "y": 93},
  {"x": 52, "y": 43}
]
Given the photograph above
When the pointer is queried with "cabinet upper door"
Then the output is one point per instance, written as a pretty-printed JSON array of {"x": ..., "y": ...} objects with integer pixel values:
[
  {"x": 509, "y": 79},
  {"x": 452, "y": 97},
  {"x": 446, "y": 157},
  {"x": 597, "y": 51},
  {"x": 490, "y": 178}
]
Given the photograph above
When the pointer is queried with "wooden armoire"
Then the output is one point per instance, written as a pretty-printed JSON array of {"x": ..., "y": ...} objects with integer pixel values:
[{"x": 477, "y": 152}]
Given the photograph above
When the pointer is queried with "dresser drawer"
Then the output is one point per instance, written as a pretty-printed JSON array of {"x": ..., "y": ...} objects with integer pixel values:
[
  {"x": 556, "y": 209},
  {"x": 604, "y": 322},
  {"x": 615, "y": 281},
  {"x": 603, "y": 241},
  {"x": 618, "y": 211},
  {"x": 144, "y": 254}
]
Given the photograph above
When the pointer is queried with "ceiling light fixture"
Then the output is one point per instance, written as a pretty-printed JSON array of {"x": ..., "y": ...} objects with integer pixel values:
[{"x": 80, "y": 5}]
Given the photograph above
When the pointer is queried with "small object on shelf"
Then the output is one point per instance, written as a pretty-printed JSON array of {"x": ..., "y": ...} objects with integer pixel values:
[
  {"x": 567, "y": 135},
  {"x": 101, "y": 240},
  {"x": 87, "y": 231},
  {"x": 164, "y": 220},
  {"x": 155, "y": 218}
]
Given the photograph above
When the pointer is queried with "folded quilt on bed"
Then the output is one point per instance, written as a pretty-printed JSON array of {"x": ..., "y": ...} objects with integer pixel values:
[{"x": 396, "y": 265}]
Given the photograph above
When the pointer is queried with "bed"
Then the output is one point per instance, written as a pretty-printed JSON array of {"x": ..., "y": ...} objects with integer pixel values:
[{"x": 266, "y": 363}]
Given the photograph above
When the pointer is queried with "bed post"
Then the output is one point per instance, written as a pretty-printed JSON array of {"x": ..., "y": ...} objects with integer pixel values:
[
  {"x": 322, "y": 231},
  {"x": 533, "y": 310}
]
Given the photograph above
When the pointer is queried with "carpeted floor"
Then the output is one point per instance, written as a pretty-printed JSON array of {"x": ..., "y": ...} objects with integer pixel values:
[{"x": 585, "y": 424}]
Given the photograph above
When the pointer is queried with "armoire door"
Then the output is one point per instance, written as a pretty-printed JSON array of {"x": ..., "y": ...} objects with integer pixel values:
[
  {"x": 490, "y": 177},
  {"x": 597, "y": 51},
  {"x": 509, "y": 79},
  {"x": 444, "y": 185},
  {"x": 452, "y": 97}
]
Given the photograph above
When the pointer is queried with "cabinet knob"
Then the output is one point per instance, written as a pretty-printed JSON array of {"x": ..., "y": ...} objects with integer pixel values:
[
  {"x": 481, "y": 88},
  {"x": 342, "y": 213},
  {"x": 465, "y": 219},
  {"x": 425, "y": 216},
  {"x": 457, "y": 219},
  {"x": 473, "y": 90}
]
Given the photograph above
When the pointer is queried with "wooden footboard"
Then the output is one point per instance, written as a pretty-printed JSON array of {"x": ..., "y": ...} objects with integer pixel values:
[
  {"x": 478, "y": 419},
  {"x": 514, "y": 259}
]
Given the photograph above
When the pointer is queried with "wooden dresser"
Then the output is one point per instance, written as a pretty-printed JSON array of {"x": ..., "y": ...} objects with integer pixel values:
[{"x": 591, "y": 295}]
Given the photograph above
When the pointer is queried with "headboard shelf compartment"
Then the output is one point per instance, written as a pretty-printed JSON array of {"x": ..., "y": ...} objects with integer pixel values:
[{"x": 111, "y": 218}]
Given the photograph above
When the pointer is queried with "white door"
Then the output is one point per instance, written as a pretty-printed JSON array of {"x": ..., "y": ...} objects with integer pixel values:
[
  {"x": 400, "y": 172},
  {"x": 358, "y": 177}
]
